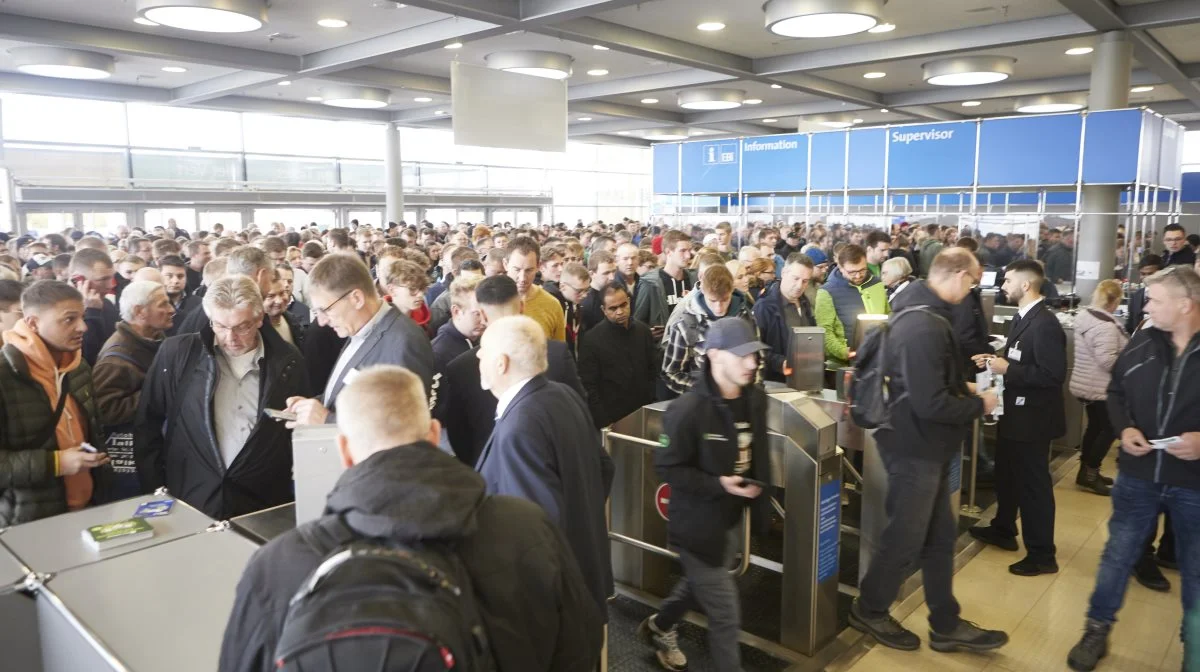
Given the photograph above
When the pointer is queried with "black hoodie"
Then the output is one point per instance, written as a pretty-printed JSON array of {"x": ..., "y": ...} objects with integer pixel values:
[{"x": 535, "y": 605}]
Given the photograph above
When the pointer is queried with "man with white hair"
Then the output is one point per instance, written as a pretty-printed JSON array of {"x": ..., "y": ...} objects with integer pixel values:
[
  {"x": 202, "y": 430},
  {"x": 120, "y": 371},
  {"x": 544, "y": 447},
  {"x": 399, "y": 488},
  {"x": 246, "y": 260}
]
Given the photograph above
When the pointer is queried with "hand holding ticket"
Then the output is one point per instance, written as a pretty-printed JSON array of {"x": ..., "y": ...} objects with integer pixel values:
[{"x": 1163, "y": 444}]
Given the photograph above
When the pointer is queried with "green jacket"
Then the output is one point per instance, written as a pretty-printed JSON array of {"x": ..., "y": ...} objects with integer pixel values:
[
  {"x": 29, "y": 489},
  {"x": 839, "y": 304}
]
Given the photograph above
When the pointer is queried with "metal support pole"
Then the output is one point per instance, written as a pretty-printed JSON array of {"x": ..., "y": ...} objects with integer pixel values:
[
  {"x": 394, "y": 176},
  {"x": 971, "y": 507}
]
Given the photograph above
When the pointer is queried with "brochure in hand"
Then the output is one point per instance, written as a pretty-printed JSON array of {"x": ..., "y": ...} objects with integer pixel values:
[{"x": 108, "y": 535}]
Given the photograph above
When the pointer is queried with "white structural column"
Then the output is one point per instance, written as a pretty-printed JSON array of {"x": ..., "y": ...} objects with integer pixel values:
[
  {"x": 394, "y": 180},
  {"x": 1097, "y": 240}
]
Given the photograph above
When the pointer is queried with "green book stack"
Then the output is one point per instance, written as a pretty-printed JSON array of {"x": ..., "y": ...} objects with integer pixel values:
[{"x": 108, "y": 535}]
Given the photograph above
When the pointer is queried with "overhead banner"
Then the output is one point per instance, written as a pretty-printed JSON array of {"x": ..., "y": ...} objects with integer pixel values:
[
  {"x": 1110, "y": 142},
  {"x": 828, "y": 161},
  {"x": 868, "y": 147},
  {"x": 775, "y": 164},
  {"x": 496, "y": 108},
  {"x": 665, "y": 175},
  {"x": 932, "y": 155},
  {"x": 1006, "y": 145},
  {"x": 710, "y": 167}
]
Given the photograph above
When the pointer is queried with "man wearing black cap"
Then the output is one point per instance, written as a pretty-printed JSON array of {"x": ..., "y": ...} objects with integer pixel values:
[
  {"x": 715, "y": 440},
  {"x": 40, "y": 267}
]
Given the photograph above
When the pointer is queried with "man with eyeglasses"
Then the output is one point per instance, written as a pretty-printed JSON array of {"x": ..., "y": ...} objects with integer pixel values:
[
  {"x": 574, "y": 285},
  {"x": 202, "y": 429},
  {"x": 849, "y": 291},
  {"x": 344, "y": 297},
  {"x": 1178, "y": 252}
]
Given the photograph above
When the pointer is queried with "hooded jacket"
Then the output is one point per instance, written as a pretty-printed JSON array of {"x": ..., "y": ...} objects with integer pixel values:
[
  {"x": 1099, "y": 339},
  {"x": 535, "y": 606},
  {"x": 651, "y": 307},
  {"x": 839, "y": 304},
  {"x": 684, "y": 338}
]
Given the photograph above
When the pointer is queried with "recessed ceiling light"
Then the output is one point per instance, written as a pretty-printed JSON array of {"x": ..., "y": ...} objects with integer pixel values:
[
  {"x": 206, "y": 16},
  {"x": 856, "y": 121},
  {"x": 599, "y": 47},
  {"x": 144, "y": 21},
  {"x": 885, "y": 110},
  {"x": 423, "y": 99},
  {"x": 752, "y": 101},
  {"x": 968, "y": 70},
  {"x": 664, "y": 134},
  {"x": 711, "y": 99},
  {"x": 357, "y": 97},
  {"x": 284, "y": 83},
  {"x": 776, "y": 86},
  {"x": 883, "y": 28},
  {"x": 836, "y": 124},
  {"x": 63, "y": 63},
  {"x": 874, "y": 75},
  {"x": 598, "y": 72},
  {"x": 585, "y": 118},
  {"x": 314, "y": 99},
  {"x": 622, "y": 132},
  {"x": 547, "y": 64},
  {"x": 439, "y": 112},
  {"x": 649, "y": 101},
  {"x": 1050, "y": 104},
  {"x": 453, "y": 45},
  {"x": 839, "y": 120},
  {"x": 174, "y": 68},
  {"x": 1141, "y": 89},
  {"x": 332, "y": 23},
  {"x": 971, "y": 103},
  {"x": 769, "y": 121},
  {"x": 821, "y": 18},
  {"x": 1078, "y": 51},
  {"x": 711, "y": 26}
]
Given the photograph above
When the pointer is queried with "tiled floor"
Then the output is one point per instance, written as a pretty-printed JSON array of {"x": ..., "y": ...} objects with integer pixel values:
[{"x": 1044, "y": 615}]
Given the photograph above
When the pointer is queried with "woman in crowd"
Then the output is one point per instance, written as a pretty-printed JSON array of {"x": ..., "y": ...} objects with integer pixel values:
[
  {"x": 896, "y": 274},
  {"x": 1099, "y": 339},
  {"x": 760, "y": 274}
]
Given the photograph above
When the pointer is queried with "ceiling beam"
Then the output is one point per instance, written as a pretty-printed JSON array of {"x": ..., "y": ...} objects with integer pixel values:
[
  {"x": 292, "y": 108},
  {"x": 610, "y": 127},
  {"x": 393, "y": 79},
  {"x": 930, "y": 112},
  {"x": 627, "y": 111},
  {"x": 77, "y": 88},
  {"x": 601, "y": 139},
  {"x": 1161, "y": 14}
]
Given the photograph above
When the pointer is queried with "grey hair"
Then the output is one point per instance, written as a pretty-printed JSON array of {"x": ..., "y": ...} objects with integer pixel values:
[
  {"x": 523, "y": 340},
  {"x": 897, "y": 267},
  {"x": 248, "y": 260},
  {"x": 136, "y": 294},
  {"x": 1178, "y": 277},
  {"x": 232, "y": 292}
]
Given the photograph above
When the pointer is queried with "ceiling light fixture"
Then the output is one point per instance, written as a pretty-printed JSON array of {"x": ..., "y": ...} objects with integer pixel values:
[
  {"x": 971, "y": 103},
  {"x": 598, "y": 72},
  {"x": 585, "y": 118},
  {"x": 776, "y": 86},
  {"x": 1049, "y": 104},
  {"x": 885, "y": 110},
  {"x": 63, "y": 63},
  {"x": 423, "y": 99},
  {"x": 599, "y": 47},
  {"x": 174, "y": 69},
  {"x": 357, "y": 97},
  {"x": 548, "y": 64},
  {"x": 711, "y": 26},
  {"x": 314, "y": 99},
  {"x": 711, "y": 99},
  {"x": 649, "y": 101},
  {"x": 1078, "y": 51},
  {"x": 439, "y": 112},
  {"x": 332, "y": 23},
  {"x": 874, "y": 75},
  {"x": 968, "y": 70},
  {"x": 769, "y": 121},
  {"x": 283, "y": 83},
  {"x": 821, "y": 18},
  {"x": 206, "y": 16},
  {"x": 666, "y": 134},
  {"x": 832, "y": 120},
  {"x": 856, "y": 121},
  {"x": 622, "y": 132},
  {"x": 752, "y": 101},
  {"x": 144, "y": 22},
  {"x": 883, "y": 28},
  {"x": 453, "y": 45},
  {"x": 1141, "y": 89}
]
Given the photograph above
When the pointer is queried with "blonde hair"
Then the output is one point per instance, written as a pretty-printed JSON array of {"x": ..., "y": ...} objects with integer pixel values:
[
  {"x": 462, "y": 289},
  {"x": 232, "y": 292},
  {"x": 1107, "y": 293},
  {"x": 389, "y": 410},
  {"x": 523, "y": 340}
]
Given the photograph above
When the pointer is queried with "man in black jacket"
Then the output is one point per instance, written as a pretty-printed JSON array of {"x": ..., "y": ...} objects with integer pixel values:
[
  {"x": 92, "y": 273},
  {"x": 617, "y": 361},
  {"x": 400, "y": 488},
  {"x": 1034, "y": 366},
  {"x": 462, "y": 331},
  {"x": 1177, "y": 252},
  {"x": 1154, "y": 404},
  {"x": 716, "y": 439},
  {"x": 920, "y": 449},
  {"x": 1148, "y": 266},
  {"x": 202, "y": 430},
  {"x": 245, "y": 260},
  {"x": 782, "y": 307}
]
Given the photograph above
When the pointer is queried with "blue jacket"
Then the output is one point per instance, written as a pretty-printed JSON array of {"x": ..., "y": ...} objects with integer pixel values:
[{"x": 773, "y": 328}]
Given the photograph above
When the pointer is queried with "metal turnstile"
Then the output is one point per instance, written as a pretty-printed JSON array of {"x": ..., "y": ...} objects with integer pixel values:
[
  {"x": 20, "y": 639},
  {"x": 805, "y": 463},
  {"x": 316, "y": 467}
]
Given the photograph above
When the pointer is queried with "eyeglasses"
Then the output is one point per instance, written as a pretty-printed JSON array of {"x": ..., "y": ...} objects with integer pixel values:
[
  {"x": 243, "y": 329},
  {"x": 325, "y": 311}
]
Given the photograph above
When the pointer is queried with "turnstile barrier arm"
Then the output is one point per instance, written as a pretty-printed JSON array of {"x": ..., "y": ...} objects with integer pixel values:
[{"x": 743, "y": 565}]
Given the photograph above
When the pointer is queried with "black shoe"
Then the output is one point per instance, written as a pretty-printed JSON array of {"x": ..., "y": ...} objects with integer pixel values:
[
  {"x": 1149, "y": 575},
  {"x": 886, "y": 630},
  {"x": 1106, "y": 479},
  {"x": 1165, "y": 562},
  {"x": 1031, "y": 567},
  {"x": 1089, "y": 479},
  {"x": 990, "y": 535},
  {"x": 1087, "y": 653},
  {"x": 968, "y": 637}
]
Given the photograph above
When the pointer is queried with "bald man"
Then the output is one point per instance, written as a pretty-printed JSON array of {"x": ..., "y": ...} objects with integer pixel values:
[
  {"x": 544, "y": 447},
  {"x": 148, "y": 274}
]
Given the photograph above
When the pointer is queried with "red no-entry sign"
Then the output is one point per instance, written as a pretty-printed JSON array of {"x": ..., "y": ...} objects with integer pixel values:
[{"x": 662, "y": 497}]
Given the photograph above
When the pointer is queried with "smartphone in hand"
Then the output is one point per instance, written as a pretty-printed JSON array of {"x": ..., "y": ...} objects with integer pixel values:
[{"x": 282, "y": 416}]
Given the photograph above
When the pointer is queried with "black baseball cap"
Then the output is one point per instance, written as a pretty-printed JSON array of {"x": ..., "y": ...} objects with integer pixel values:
[{"x": 733, "y": 335}]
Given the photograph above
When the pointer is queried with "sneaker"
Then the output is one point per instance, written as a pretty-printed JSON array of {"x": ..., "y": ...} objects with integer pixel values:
[
  {"x": 1087, "y": 653},
  {"x": 1149, "y": 575},
  {"x": 968, "y": 637},
  {"x": 1031, "y": 567},
  {"x": 990, "y": 535},
  {"x": 886, "y": 630},
  {"x": 665, "y": 643}
]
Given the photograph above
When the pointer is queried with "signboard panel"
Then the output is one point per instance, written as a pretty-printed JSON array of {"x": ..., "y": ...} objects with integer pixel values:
[
  {"x": 666, "y": 168},
  {"x": 829, "y": 511},
  {"x": 868, "y": 147},
  {"x": 1033, "y": 151},
  {"x": 1110, "y": 146},
  {"x": 828, "y": 161},
  {"x": 775, "y": 164},
  {"x": 932, "y": 155},
  {"x": 1152, "y": 130},
  {"x": 1170, "y": 155},
  {"x": 710, "y": 167}
]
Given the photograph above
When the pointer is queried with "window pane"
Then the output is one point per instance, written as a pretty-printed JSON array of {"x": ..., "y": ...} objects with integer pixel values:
[
  {"x": 185, "y": 218},
  {"x": 184, "y": 128},
  {"x": 230, "y": 221},
  {"x": 67, "y": 120},
  {"x": 363, "y": 175},
  {"x": 292, "y": 217},
  {"x": 41, "y": 223},
  {"x": 365, "y": 218},
  {"x": 288, "y": 173},
  {"x": 104, "y": 223},
  {"x": 152, "y": 168},
  {"x": 271, "y": 134}
]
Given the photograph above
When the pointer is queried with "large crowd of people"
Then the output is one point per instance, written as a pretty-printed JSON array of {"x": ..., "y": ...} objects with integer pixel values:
[{"x": 469, "y": 371}]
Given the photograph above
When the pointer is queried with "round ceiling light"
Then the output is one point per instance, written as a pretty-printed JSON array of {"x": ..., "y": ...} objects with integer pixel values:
[
  {"x": 769, "y": 121},
  {"x": 711, "y": 26},
  {"x": 752, "y": 101},
  {"x": 144, "y": 22},
  {"x": 599, "y": 47},
  {"x": 357, "y": 97},
  {"x": 821, "y": 18},
  {"x": 971, "y": 103},
  {"x": 422, "y": 99},
  {"x": 711, "y": 99},
  {"x": 206, "y": 16},
  {"x": 63, "y": 63},
  {"x": 666, "y": 134},
  {"x": 883, "y": 28},
  {"x": 333, "y": 23},
  {"x": 832, "y": 120},
  {"x": 585, "y": 118},
  {"x": 175, "y": 69},
  {"x": 649, "y": 101},
  {"x": 968, "y": 70},
  {"x": 1141, "y": 89},
  {"x": 548, "y": 64},
  {"x": 1049, "y": 104},
  {"x": 598, "y": 72},
  {"x": 314, "y": 99},
  {"x": 874, "y": 75},
  {"x": 1078, "y": 51}
]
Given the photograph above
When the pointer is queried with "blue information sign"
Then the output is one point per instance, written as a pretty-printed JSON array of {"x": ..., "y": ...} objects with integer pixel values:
[
  {"x": 1033, "y": 151},
  {"x": 932, "y": 155},
  {"x": 828, "y": 161},
  {"x": 710, "y": 167},
  {"x": 666, "y": 168},
  {"x": 1110, "y": 146},
  {"x": 868, "y": 147},
  {"x": 775, "y": 164},
  {"x": 829, "y": 528}
]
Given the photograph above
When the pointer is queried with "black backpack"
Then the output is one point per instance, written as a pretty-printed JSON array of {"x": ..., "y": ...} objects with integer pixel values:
[
  {"x": 370, "y": 607},
  {"x": 870, "y": 393}
]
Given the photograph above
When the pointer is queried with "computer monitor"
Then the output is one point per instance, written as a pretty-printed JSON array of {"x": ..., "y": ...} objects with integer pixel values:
[{"x": 988, "y": 279}]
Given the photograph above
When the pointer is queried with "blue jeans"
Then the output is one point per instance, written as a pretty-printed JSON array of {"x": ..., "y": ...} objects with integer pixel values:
[{"x": 1136, "y": 504}]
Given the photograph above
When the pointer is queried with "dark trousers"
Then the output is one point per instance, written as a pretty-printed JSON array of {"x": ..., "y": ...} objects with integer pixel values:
[
  {"x": 920, "y": 528},
  {"x": 713, "y": 591},
  {"x": 1098, "y": 437},
  {"x": 1023, "y": 486}
]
